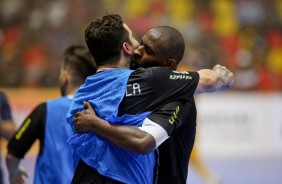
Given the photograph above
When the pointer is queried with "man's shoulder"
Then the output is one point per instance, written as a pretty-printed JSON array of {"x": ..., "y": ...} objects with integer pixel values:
[
  {"x": 150, "y": 71},
  {"x": 154, "y": 68},
  {"x": 59, "y": 100},
  {"x": 41, "y": 106}
]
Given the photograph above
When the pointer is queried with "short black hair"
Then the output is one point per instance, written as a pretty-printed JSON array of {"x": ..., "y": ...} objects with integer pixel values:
[
  {"x": 175, "y": 46},
  {"x": 104, "y": 38},
  {"x": 79, "y": 62}
]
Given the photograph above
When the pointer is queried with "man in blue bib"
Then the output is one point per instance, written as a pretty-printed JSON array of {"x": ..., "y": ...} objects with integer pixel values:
[{"x": 47, "y": 124}]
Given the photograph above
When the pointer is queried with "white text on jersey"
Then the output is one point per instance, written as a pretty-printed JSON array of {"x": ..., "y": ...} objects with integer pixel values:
[
  {"x": 133, "y": 89},
  {"x": 174, "y": 77}
]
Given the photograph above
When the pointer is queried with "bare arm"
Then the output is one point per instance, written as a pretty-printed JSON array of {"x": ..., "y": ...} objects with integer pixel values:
[
  {"x": 130, "y": 138},
  {"x": 16, "y": 172},
  {"x": 7, "y": 129},
  {"x": 213, "y": 80}
]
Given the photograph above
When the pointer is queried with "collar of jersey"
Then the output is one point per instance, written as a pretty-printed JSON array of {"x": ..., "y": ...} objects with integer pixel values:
[
  {"x": 103, "y": 69},
  {"x": 70, "y": 97}
]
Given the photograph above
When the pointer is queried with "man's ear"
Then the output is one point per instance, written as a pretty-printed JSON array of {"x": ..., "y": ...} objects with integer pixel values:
[
  {"x": 171, "y": 64},
  {"x": 64, "y": 77},
  {"x": 126, "y": 48}
]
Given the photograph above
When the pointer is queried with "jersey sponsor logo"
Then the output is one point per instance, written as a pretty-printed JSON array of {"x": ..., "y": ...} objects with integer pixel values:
[
  {"x": 174, "y": 115},
  {"x": 133, "y": 89},
  {"x": 23, "y": 128},
  {"x": 180, "y": 72},
  {"x": 180, "y": 76}
]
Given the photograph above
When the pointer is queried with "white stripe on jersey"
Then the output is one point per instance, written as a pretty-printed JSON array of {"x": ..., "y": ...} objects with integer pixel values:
[{"x": 158, "y": 132}]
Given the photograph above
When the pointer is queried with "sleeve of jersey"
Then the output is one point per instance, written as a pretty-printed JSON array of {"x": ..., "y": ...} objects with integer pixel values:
[
  {"x": 154, "y": 129},
  {"x": 164, "y": 121},
  {"x": 172, "y": 85},
  {"x": 31, "y": 129}
]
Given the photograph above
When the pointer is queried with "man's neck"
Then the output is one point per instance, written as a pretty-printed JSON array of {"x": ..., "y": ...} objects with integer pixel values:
[
  {"x": 103, "y": 67},
  {"x": 124, "y": 62},
  {"x": 70, "y": 90}
]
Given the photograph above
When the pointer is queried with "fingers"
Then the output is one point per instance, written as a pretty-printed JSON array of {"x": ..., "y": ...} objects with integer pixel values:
[
  {"x": 77, "y": 114},
  {"x": 88, "y": 106},
  {"x": 219, "y": 68},
  {"x": 20, "y": 180},
  {"x": 19, "y": 177},
  {"x": 23, "y": 171},
  {"x": 76, "y": 121},
  {"x": 222, "y": 70},
  {"x": 76, "y": 125},
  {"x": 79, "y": 128},
  {"x": 225, "y": 74},
  {"x": 216, "y": 67}
]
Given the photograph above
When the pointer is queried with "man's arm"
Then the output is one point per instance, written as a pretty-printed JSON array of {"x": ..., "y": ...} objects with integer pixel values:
[
  {"x": 7, "y": 129},
  {"x": 130, "y": 138},
  {"x": 142, "y": 139},
  {"x": 213, "y": 80},
  {"x": 22, "y": 140},
  {"x": 16, "y": 172},
  {"x": 133, "y": 138}
]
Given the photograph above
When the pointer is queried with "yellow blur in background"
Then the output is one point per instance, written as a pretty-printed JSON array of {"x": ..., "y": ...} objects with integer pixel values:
[{"x": 245, "y": 36}]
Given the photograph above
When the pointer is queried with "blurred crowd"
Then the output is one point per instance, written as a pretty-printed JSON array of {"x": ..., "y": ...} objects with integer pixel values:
[{"x": 244, "y": 35}]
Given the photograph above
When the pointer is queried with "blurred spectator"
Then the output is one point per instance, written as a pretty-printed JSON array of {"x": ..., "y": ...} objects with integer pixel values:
[
  {"x": 246, "y": 73},
  {"x": 215, "y": 32}
]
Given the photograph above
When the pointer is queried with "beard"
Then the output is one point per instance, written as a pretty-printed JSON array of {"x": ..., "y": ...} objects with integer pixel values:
[
  {"x": 134, "y": 64},
  {"x": 137, "y": 63}
]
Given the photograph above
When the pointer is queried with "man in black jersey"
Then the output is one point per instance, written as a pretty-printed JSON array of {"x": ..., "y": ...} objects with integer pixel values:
[
  {"x": 150, "y": 89},
  {"x": 47, "y": 124}
]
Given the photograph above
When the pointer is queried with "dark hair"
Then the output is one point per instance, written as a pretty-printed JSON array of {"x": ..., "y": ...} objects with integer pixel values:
[
  {"x": 79, "y": 62},
  {"x": 104, "y": 38},
  {"x": 175, "y": 44}
]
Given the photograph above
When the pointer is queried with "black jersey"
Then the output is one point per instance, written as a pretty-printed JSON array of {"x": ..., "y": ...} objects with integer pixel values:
[
  {"x": 149, "y": 89},
  {"x": 169, "y": 94},
  {"x": 175, "y": 152},
  {"x": 33, "y": 128}
]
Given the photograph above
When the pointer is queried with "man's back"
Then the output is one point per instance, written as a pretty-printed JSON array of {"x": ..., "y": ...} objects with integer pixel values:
[
  {"x": 175, "y": 152},
  {"x": 56, "y": 159},
  {"x": 149, "y": 89},
  {"x": 47, "y": 123}
]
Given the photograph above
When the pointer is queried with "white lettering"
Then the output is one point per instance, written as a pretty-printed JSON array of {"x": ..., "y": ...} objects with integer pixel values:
[
  {"x": 174, "y": 77},
  {"x": 133, "y": 89},
  {"x": 181, "y": 72},
  {"x": 136, "y": 88},
  {"x": 127, "y": 93}
]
